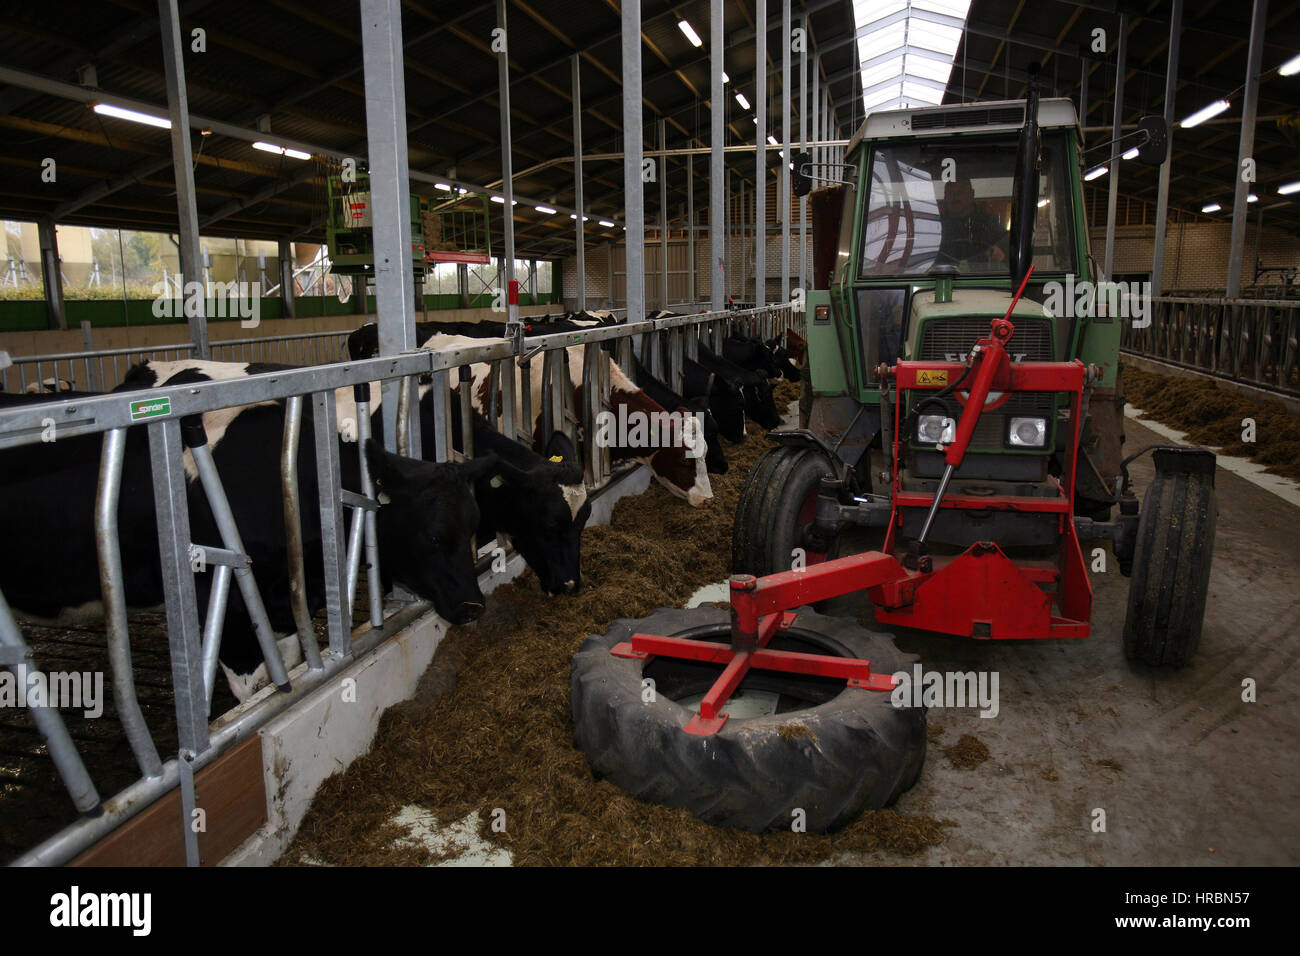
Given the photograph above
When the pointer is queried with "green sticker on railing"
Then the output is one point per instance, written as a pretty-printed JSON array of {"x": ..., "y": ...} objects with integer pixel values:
[{"x": 150, "y": 408}]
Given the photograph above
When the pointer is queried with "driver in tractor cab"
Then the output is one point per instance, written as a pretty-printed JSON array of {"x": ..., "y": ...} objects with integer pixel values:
[{"x": 970, "y": 232}]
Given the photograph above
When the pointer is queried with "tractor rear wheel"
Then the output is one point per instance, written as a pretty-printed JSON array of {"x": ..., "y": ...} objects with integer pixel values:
[
  {"x": 1171, "y": 560},
  {"x": 811, "y": 743},
  {"x": 777, "y": 504}
]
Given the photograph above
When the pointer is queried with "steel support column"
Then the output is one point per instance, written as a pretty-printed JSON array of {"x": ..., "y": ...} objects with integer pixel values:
[
  {"x": 633, "y": 188},
  {"x": 783, "y": 190},
  {"x": 1246, "y": 148},
  {"x": 690, "y": 230},
  {"x": 760, "y": 157},
  {"x": 507, "y": 169},
  {"x": 803, "y": 137},
  {"x": 717, "y": 184},
  {"x": 1112, "y": 201},
  {"x": 390, "y": 196},
  {"x": 580, "y": 229},
  {"x": 178, "y": 108},
  {"x": 662, "y": 163},
  {"x": 1162, "y": 199}
]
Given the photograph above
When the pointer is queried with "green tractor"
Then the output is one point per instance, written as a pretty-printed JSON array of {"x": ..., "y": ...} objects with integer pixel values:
[{"x": 939, "y": 215}]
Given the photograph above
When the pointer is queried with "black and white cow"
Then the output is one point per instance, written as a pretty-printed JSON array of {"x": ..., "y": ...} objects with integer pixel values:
[
  {"x": 538, "y": 501},
  {"x": 47, "y": 497},
  {"x": 545, "y": 518},
  {"x": 760, "y": 405},
  {"x": 715, "y": 459}
]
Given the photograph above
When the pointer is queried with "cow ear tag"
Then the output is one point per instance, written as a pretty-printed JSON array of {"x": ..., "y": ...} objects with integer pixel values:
[
  {"x": 383, "y": 499},
  {"x": 497, "y": 481},
  {"x": 557, "y": 459}
]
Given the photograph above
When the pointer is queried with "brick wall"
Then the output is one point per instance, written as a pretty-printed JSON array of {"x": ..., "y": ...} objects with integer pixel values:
[{"x": 1196, "y": 254}]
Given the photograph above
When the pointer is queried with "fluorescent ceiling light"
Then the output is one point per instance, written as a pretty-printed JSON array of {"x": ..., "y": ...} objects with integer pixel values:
[
  {"x": 500, "y": 199},
  {"x": 443, "y": 186},
  {"x": 574, "y": 216},
  {"x": 107, "y": 109},
  {"x": 1043, "y": 202},
  {"x": 1130, "y": 153},
  {"x": 1096, "y": 173},
  {"x": 1290, "y": 67},
  {"x": 1201, "y": 115},
  {"x": 690, "y": 33},
  {"x": 546, "y": 209},
  {"x": 281, "y": 150},
  {"x": 1252, "y": 198},
  {"x": 740, "y": 98},
  {"x": 1212, "y": 207},
  {"x": 1289, "y": 188},
  {"x": 772, "y": 140},
  {"x": 606, "y": 222},
  {"x": 725, "y": 79}
]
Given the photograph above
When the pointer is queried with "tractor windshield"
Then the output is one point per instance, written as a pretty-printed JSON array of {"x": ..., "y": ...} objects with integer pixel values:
[{"x": 949, "y": 203}]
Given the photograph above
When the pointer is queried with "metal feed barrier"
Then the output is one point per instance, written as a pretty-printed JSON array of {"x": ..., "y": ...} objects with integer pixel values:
[
  {"x": 1245, "y": 340},
  {"x": 98, "y": 370},
  {"x": 173, "y": 428}
]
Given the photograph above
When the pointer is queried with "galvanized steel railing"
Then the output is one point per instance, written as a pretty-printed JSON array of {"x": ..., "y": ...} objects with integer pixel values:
[
  {"x": 194, "y": 641},
  {"x": 1246, "y": 340},
  {"x": 98, "y": 370}
]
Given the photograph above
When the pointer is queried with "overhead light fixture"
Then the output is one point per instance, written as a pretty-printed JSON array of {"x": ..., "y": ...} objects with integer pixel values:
[
  {"x": 607, "y": 223},
  {"x": 725, "y": 79},
  {"x": 1201, "y": 115},
  {"x": 500, "y": 199},
  {"x": 1288, "y": 188},
  {"x": 1212, "y": 207},
  {"x": 443, "y": 186},
  {"x": 1130, "y": 154},
  {"x": 281, "y": 150},
  {"x": 690, "y": 33},
  {"x": 574, "y": 215},
  {"x": 107, "y": 109},
  {"x": 1252, "y": 198},
  {"x": 1096, "y": 173},
  {"x": 740, "y": 98},
  {"x": 1290, "y": 67},
  {"x": 1043, "y": 202},
  {"x": 772, "y": 140},
  {"x": 546, "y": 209}
]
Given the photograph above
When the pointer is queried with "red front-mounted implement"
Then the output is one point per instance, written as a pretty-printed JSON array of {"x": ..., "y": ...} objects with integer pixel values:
[{"x": 978, "y": 593}]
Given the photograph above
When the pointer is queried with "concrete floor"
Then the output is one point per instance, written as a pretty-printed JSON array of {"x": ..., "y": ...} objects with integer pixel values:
[{"x": 1186, "y": 772}]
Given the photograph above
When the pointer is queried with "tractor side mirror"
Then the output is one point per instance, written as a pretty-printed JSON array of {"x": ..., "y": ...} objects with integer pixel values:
[
  {"x": 802, "y": 180},
  {"x": 1155, "y": 149}
]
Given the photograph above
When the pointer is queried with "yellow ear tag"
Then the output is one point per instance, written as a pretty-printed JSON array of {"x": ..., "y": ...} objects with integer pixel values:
[{"x": 556, "y": 458}]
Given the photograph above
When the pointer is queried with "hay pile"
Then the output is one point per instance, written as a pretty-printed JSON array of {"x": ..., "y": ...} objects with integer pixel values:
[
  {"x": 1212, "y": 416},
  {"x": 490, "y": 724}
]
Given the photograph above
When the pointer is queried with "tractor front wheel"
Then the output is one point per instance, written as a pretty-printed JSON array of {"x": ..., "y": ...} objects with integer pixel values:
[
  {"x": 776, "y": 507},
  {"x": 792, "y": 743},
  {"x": 1171, "y": 560}
]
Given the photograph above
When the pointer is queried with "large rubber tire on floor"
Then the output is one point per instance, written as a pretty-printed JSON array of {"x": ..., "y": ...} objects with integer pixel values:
[
  {"x": 835, "y": 751},
  {"x": 1171, "y": 560},
  {"x": 777, "y": 502}
]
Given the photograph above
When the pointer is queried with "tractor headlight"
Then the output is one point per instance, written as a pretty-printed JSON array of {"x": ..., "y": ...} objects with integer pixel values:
[
  {"x": 935, "y": 429},
  {"x": 1027, "y": 432}
]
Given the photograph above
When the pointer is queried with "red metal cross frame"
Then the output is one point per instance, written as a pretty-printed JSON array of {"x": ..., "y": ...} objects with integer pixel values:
[{"x": 747, "y": 651}]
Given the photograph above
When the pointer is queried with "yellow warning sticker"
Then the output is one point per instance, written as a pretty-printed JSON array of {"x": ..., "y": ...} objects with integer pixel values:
[{"x": 932, "y": 376}]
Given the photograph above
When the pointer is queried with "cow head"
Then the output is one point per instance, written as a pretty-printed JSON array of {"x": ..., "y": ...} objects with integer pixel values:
[
  {"x": 728, "y": 407},
  {"x": 426, "y": 518},
  {"x": 548, "y": 504},
  {"x": 760, "y": 404},
  {"x": 681, "y": 470},
  {"x": 715, "y": 459}
]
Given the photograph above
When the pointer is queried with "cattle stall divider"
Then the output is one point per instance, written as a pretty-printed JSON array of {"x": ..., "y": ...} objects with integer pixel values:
[
  {"x": 174, "y": 429},
  {"x": 1249, "y": 341}
]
